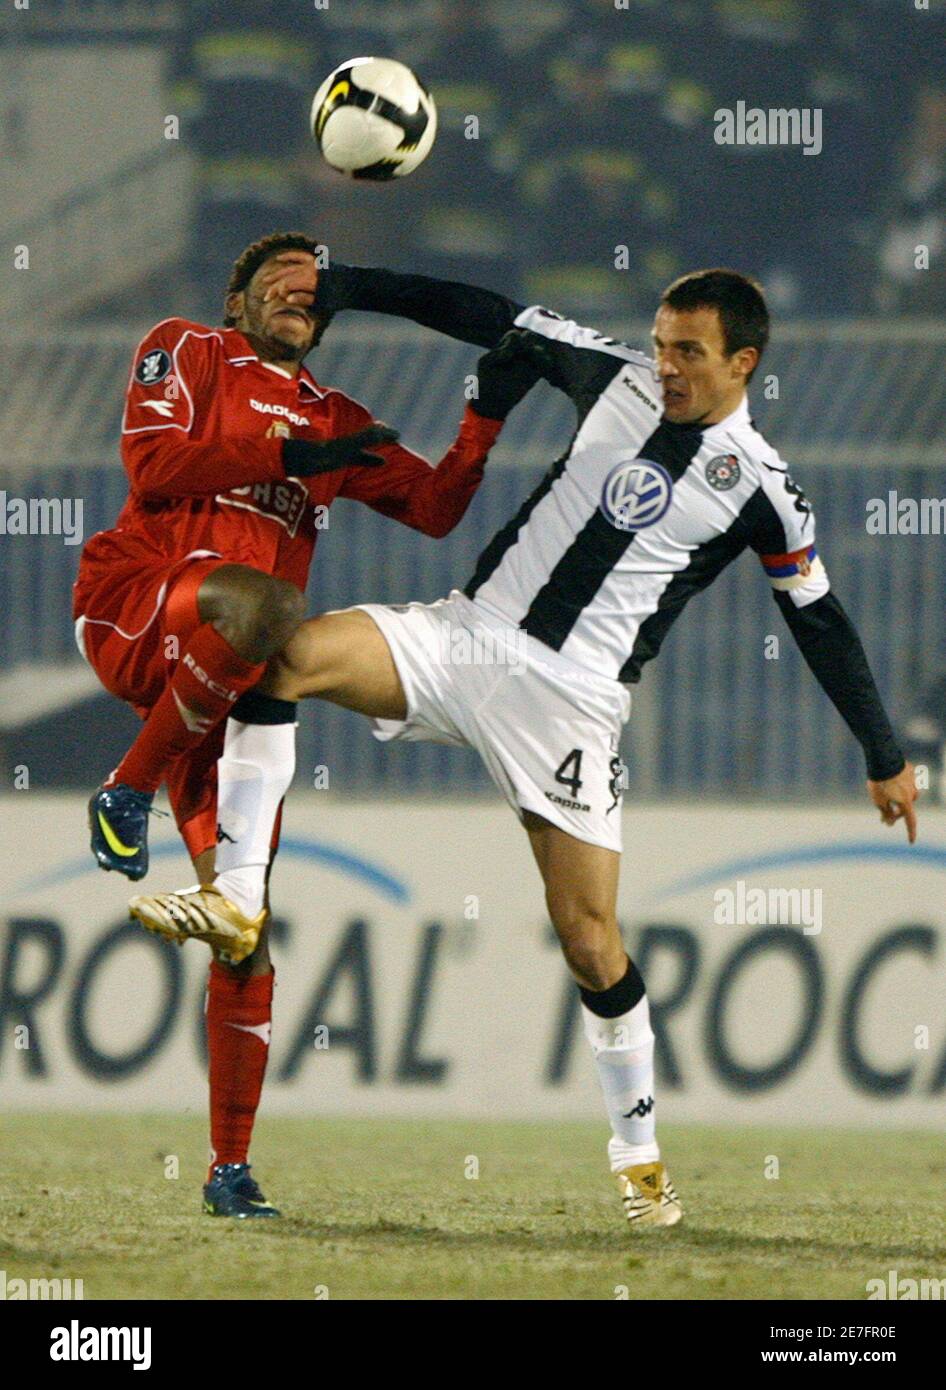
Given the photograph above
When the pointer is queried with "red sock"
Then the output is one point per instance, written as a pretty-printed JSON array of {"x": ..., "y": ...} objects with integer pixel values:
[
  {"x": 209, "y": 678},
  {"x": 239, "y": 1009}
]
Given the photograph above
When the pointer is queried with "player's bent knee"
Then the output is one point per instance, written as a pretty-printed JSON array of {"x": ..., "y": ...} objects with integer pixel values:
[
  {"x": 255, "y": 612},
  {"x": 230, "y": 590},
  {"x": 281, "y": 612}
]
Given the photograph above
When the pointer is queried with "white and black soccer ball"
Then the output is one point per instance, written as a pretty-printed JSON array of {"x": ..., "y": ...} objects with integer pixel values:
[{"x": 373, "y": 118}]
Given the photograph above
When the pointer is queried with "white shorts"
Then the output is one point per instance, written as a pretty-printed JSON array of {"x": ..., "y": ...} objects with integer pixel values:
[{"x": 546, "y": 729}]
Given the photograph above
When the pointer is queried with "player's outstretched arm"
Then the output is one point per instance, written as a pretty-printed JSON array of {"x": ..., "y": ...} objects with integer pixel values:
[
  {"x": 576, "y": 360},
  {"x": 782, "y": 533},
  {"x": 461, "y": 311},
  {"x": 829, "y": 643}
]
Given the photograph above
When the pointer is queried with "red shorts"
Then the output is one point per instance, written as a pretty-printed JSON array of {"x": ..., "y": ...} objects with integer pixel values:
[{"x": 132, "y": 633}]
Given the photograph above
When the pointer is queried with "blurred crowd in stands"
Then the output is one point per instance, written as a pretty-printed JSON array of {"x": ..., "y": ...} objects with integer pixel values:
[
  {"x": 594, "y": 129},
  {"x": 570, "y": 129}
]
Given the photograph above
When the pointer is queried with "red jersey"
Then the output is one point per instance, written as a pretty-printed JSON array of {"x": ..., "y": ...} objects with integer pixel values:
[{"x": 201, "y": 444}]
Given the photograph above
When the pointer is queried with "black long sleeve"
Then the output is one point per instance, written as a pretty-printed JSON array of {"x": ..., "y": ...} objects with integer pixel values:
[
  {"x": 460, "y": 311},
  {"x": 577, "y": 362},
  {"x": 829, "y": 643}
]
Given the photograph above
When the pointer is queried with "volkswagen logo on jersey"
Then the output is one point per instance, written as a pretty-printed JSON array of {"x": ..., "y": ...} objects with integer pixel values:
[
  {"x": 153, "y": 367},
  {"x": 636, "y": 494},
  {"x": 723, "y": 472}
]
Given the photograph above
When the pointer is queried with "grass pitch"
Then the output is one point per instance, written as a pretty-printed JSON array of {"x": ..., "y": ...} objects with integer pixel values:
[{"x": 384, "y": 1210}]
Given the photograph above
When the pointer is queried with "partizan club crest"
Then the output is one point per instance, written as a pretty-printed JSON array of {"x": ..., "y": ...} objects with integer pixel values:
[{"x": 723, "y": 472}]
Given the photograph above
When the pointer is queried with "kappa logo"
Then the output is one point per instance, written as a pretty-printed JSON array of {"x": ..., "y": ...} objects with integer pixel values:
[
  {"x": 632, "y": 385},
  {"x": 263, "y": 1031},
  {"x": 618, "y": 782},
  {"x": 636, "y": 494},
  {"x": 642, "y": 1109},
  {"x": 801, "y": 503},
  {"x": 153, "y": 367},
  {"x": 571, "y": 805}
]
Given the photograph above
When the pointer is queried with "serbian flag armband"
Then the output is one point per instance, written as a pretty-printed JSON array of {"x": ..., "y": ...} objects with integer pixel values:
[{"x": 794, "y": 569}]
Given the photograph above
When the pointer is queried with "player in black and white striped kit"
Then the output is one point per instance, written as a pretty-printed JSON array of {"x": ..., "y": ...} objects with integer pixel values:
[{"x": 665, "y": 482}]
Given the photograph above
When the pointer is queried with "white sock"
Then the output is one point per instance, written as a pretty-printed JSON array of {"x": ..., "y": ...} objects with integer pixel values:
[
  {"x": 253, "y": 776},
  {"x": 624, "y": 1054}
]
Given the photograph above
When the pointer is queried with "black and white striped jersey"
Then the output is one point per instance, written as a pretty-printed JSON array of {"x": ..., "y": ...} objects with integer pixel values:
[{"x": 638, "y": 515}]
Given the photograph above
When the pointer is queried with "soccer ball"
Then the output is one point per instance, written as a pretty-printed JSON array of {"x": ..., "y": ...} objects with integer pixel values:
[{"x": 373, "y": 118}]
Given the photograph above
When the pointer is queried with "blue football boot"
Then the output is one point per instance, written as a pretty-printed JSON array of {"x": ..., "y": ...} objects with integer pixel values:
[
  {"x": 231, "y": 1191},
  {"x": 118, "y": 820}
]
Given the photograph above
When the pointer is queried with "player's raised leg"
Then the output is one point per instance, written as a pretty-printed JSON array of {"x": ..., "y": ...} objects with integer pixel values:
[
  {"x": 341, "y": 657},
  {"x": 351, "y": 663},
  {"x": 581, "y": 882},
  {"x": 226, "y": 908},
  {"x": 243, "y": 616}
]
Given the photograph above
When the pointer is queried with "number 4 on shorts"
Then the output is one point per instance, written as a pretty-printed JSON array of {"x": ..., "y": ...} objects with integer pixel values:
[{"x": 573, "y": 781}]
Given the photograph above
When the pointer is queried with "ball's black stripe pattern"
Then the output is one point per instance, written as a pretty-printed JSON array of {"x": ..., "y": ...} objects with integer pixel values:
[{"x": 412, "y": 123}]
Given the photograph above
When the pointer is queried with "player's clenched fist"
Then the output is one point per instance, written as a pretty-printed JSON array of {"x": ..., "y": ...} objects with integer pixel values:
[
  {"x": 506, "y": 374},
  {"x": 291, "y": 276}
]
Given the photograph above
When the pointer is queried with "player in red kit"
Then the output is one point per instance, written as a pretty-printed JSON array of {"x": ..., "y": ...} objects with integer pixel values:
[{"x": 234, "y": 453}]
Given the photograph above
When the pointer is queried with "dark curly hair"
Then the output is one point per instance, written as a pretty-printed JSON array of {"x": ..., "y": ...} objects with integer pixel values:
[{"x": 249, "y": 261}]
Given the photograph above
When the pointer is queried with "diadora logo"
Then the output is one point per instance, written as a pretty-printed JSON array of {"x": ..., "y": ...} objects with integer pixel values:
[
  {"x": 266, "y": 409},
  {"x": 192, "y": 719},
  {"x": 636, "y": 494}
]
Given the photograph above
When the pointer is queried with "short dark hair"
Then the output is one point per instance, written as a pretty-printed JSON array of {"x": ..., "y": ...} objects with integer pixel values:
[
  {"x": 738, "y": 300},
  {"x": 249, "y": 261}
]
